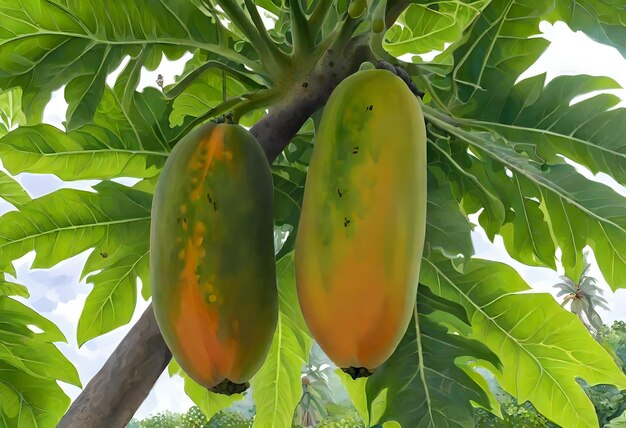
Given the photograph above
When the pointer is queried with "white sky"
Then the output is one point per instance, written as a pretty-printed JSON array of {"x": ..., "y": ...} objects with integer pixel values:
[{"x": 58, "y": 294}]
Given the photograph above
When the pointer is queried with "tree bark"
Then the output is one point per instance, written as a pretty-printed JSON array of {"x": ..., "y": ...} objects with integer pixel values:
[{"x": 112, "y": 397}]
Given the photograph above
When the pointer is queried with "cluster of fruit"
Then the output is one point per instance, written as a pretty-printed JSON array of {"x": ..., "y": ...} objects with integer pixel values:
[{"x": 358, "y": 247}]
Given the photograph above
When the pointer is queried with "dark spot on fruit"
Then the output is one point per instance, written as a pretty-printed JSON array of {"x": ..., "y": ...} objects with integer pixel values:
[
  {"x": 369, "y": 108},
  {"x": 346, "y": 222},
  {"x": 215, "y": 205},
  {"x": 305, "y": 85},
  {"x": 331, "y": 63},
  {"x": 355, "y": 150},
  {"x": 339, "y": 193},
  {"x": 104, "y": 255},
  {"x": 208, "y": 196}
]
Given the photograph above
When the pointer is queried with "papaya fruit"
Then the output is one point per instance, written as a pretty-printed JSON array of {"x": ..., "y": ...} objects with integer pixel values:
[
  {"x": 212, "y": 266},
  {"x": 361, "y": 231}
]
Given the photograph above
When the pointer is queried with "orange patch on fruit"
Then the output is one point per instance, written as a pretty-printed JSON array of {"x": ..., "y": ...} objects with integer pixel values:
[{"x": 197, "y": 323}]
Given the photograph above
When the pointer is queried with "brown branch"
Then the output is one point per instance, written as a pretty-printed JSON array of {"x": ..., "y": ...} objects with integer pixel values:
[{"x": 112, "y": 397}]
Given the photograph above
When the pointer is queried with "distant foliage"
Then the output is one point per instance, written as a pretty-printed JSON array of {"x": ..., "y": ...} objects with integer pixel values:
[
  {"x": 194, "y": 418},
  {"x": 227, "y": 419},
  {"x": 165, "y": 419},
  {"x": 342, "y": 417}
]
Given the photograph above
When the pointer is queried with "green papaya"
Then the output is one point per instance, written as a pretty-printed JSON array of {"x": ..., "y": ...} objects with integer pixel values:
[
  {"x": 212, "y": 266},
  {"x": 361, "y": 232}
]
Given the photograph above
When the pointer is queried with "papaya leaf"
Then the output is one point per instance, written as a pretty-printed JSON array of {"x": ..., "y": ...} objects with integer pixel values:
[
  {"x": 288, "y": 195},
  {"x": 467, "y": 179},
  {"x": 30, "y": 365},
  {"x": 11, "y": 114},
  {"x": 11, "y": 191},
  {"x": 585, "y": 205},
  {"x": 542, "y": 347},
  {"x": 541, "y": 121},
  {"x": 200, "y": 88},
  {"x": 498, "y": 46},
  {"x": 537, "y": 119},
  {"x": 602, "y": 20},
  {"x": 28, "y": 401},
  {"x": 447, "y": 228},
  {"x": 422, "y": 28},
  {"x": 356, "y": 389},
  {"x": 131, "y": 140},
  {"x": 67, "y": 222},
  {"x": 39, "y": 42},
  {"x": 112, "y": 301},
  {"x": 492, "y": 53},
  {"x": 64, "y": 223},
  {"x": 209, "y": 402},
  {"x": 277, "y": 387},
  {"x": 92, "y": 153},
  {"x": 12, "y": 289},
  {"x": 425, "y": 383},
  {"x": 527, "y": 238}
]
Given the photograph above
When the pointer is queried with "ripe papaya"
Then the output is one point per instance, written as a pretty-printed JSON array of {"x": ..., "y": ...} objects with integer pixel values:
[
  {"x": 212, "y": 266},
  {"x": 361, "y": 232}
]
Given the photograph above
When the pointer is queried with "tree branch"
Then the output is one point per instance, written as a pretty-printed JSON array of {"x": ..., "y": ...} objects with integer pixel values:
[{"x": 112, "y": 397}]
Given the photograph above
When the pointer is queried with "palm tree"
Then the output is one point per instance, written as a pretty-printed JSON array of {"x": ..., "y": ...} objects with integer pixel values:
[
  {"x": 316, "y": 391},
  {"x": 584, "y": 297}
]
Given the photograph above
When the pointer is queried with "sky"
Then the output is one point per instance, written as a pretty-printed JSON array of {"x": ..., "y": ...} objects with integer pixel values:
[{"x": 59, "y": 294}]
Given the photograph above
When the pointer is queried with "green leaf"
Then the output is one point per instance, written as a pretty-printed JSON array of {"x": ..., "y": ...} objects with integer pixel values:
[
  {"x": 493, "y": 52},
  {"x": 288, "y": 194},
  {"x": 21, "y": 316},
  {"x": 422, "y": 28},
  {"x": 587, "y": 205},
  {"x": 425, "y": 388},
  {"x": 447, "y": 228},
  {"x": 36, "y": 358},
  {"x": 29, "y": 402},
  {"x": 65, "y": 223},
  {"x": 277, "y": 387},
  {"x": 12, "y": 289},
  {"x": 541, "y": 121},
  {"x": 11, "y": 114},
  {"x": 11, "y": 191},
  {"x": 44, "y": 45},
  {"x": 468, "y": 181},
  {"x": 200, "y": 89},
  {"x": 618, "y": 422},
  {"x": 112, "y": 301},
  {"x": 542, "y": 347},
  {"x": 115, "y": 221},
  {"x": 602, "y": 20},
  {"x": 527, "y": 238},
  {"x": 209, "y": 402},
  {"x": 356, "y": 389},
  {"x": 30, "y": 366},
  {"x": 73, "y": 156}
]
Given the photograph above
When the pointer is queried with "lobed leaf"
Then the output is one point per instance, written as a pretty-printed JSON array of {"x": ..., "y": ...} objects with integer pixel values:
[
  {"x": 542, "y": 347},
  {"x": 277, "y": 387}
]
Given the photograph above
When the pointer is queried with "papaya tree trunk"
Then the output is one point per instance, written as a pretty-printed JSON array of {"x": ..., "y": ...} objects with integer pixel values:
[{"x": 113, "y": 395}]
